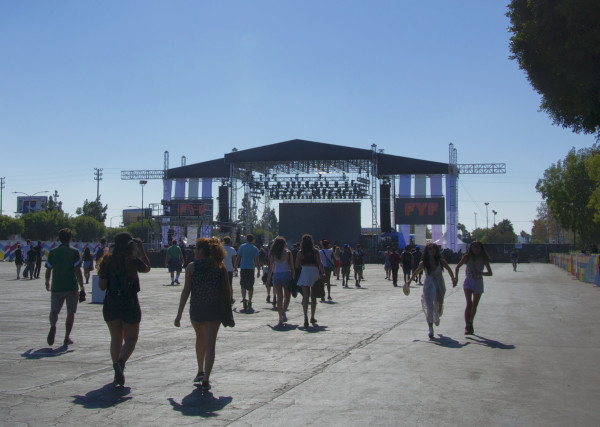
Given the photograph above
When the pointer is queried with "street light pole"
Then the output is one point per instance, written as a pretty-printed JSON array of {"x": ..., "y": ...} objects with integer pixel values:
[
  {"x": 487, "y": 225},
  {"x": 494, "y": 212},
  {"x": 475, "y": 220},
  {"x": 142, "y": 183}
]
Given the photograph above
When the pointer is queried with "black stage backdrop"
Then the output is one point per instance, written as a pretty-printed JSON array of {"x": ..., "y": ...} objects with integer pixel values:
[{"x": 337, "y": 222}]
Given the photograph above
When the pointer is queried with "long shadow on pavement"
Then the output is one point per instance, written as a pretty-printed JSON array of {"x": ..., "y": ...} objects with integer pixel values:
[
  {"x": 199, "y": 403},
  {"x": 46, "y": 352},
  {"x": 283, "y": 328},
  {"x": 448, "y": 342},
  {"x": 477, "y": 339},
  {"x": 444, "y": 341},
  {"x": 107, "y": 396}
]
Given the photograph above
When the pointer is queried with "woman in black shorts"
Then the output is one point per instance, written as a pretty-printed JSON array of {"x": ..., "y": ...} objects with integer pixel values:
[
  {"x": 208, "y": 282},
  {"x": 119, "y": 270}
]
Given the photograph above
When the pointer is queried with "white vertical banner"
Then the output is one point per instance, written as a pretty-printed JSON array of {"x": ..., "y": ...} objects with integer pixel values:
[
  {"x": 404, "y": 190},
  {"x": 435, "y": 182},
  {"x": 193, "y": 187},
  {"x": 421, "y": 191}
]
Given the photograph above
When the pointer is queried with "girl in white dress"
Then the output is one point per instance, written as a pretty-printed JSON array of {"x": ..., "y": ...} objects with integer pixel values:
[{"x": 434, "y": 288}]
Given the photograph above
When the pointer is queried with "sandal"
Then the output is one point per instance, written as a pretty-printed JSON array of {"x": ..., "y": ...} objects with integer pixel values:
[
  {"x": 199, "y": 377},
  {"x": 205, "y": 385},
  {"x": 313, "y": 320},
  {"x": 306, "y": 322}
]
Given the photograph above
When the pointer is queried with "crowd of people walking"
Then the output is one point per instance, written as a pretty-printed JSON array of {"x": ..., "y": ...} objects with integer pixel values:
[{"x": 307, "y": 268}]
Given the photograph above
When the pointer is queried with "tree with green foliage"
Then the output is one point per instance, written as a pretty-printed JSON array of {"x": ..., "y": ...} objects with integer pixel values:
[
  {"x": 10, "y": 226},
  {"x": 247, "y": 217},
  {"x": 269, "y": 222},
  {"x": 567, "y": 188},
  {"x": 525, "y": 236},
  {"x": 87, "y": 229},
  {"x": 93, "y": 209},
  {"x": 111, "y": 232},
  {"x": 546, "y": 229},
  {"x": 141, "y": 229},
  {"x": 502, "y": 232},
  {"x": 463, "y": 234},
  {"x": 53, "y": 203},
  {"x": 44, "y": 225},
  {"x": 557, "y": 43}
]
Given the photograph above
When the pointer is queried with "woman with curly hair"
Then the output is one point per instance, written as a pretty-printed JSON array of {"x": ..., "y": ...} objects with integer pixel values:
[
  {"x": 118, "y": 274},
  {"x": 434, "y": 288},
  {"x": 312, "y": 270},
  {"x": 208, "y": 282},
  {"x": 475, "y": 259},
  {"x": 281, "y": 275}
]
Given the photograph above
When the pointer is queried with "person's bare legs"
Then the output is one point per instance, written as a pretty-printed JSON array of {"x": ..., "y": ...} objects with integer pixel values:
[
  {"x": 69, "y": 326},
  {"x": 313, "y": 306},
  {"x": 476, "y": 298},
  {"x": 468, "y": 310},
  {"x": 305, "y": 299},
  {"x": 286, "y": 299},
  {"x": 206, "y": 340},
  {"x": 278, "y": 292}
]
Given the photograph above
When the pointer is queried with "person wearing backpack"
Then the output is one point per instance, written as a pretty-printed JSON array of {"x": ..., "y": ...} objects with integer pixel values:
[
  {"x": 358, "y": 261},
  {"x": 346, "y": 263},
  {"x": 328, "y": 261},
  {"x": 118, "y": 274}
]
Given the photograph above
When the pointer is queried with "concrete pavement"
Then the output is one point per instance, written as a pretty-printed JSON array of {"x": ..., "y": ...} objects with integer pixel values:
[{"x": 534, "y": 359}]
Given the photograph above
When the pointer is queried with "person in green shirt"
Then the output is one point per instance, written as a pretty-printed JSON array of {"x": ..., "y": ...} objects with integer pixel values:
[
  {"x": 63, "y": 266},
  {"x": 174, "y": 261}
]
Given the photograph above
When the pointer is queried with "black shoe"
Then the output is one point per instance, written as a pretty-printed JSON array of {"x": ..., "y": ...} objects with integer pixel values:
[
  {"x": 205, "y": 385},
  {"x": 306, "y": 322},
  {"x": 268, "y": 298},
  {"x": 119, "y": 367},
  {"x": 51, "y": 335},
  {"x": 245, "y": 304},
  {"x": 67, "y": 341},
  {"x": 199, "y": 377}
]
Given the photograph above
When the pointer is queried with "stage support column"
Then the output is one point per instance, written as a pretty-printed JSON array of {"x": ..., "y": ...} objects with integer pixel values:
[
  {"x": 451, "y": 211},
  {"x": 404, "y": 190},
  {"x": 179, "y": 195},
  {"x": 421, "y": 191},
  {"x": 205, "y": 229},
  {"x": 167, "y": 189},
  {"x": 435, "y": 182}
]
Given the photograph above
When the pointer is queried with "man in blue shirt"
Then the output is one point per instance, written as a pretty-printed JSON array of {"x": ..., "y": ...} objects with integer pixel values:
[{"x": 247, "y": 260}]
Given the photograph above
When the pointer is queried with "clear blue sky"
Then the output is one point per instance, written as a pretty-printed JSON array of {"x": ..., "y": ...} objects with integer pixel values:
[{"x": 113, "y": 84}]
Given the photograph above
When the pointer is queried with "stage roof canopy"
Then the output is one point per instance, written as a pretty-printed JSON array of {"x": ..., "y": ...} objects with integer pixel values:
[{"x": 293, "y": 155}]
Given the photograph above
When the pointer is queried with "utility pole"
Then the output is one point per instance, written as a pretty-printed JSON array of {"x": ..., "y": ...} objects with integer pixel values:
[
  {"x": 487, "y": 224},
  {"x": 475, "y": 220},
  {"x": 2, "y": 180},
  {"x": 98, "y": 178}
]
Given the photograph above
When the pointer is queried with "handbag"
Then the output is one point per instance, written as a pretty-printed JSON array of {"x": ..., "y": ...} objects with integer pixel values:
[
  {"x": 226, "y": 311},
  {"x": 318, "y": 289},
  {"x": 329, "y": 262}
]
